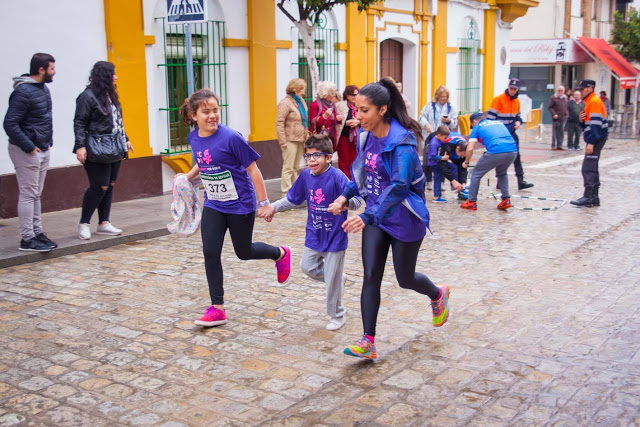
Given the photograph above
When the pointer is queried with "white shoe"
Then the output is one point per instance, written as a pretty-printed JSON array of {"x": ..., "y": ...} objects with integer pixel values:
[
  {"x": 336, "y": 323},
  {"x": 429, "y": 186},
  {"x": 108, "y": 229},
  {"x": 84, "y": 231}
]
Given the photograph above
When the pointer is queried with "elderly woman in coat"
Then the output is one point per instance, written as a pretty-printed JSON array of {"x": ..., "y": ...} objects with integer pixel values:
[
  {"x": 323, "y": 117},
  {"x": 292, "y": 121}
]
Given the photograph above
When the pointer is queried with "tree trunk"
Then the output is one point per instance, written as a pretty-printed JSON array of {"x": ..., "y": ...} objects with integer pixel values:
[{"x": 306, "y": 33}]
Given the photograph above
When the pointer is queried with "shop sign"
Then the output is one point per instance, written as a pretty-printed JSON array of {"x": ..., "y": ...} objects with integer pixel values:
[{"x": 546, "y": 52}]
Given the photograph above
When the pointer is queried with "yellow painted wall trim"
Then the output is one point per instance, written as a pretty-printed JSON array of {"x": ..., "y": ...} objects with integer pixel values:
[
  {"x": 341, "y": 46},
  {"x": 371, "y": 47},
  {"x": 149, "y": 40},
  {"x": 380, "y": 11},
  {"x": 452, "y": 49},
  {"x": 278, "y": 44},
  {"x": 356, "y": 46},
  {"x": 423, "y": 95},
  {"x": 489, "y": 63},
  {"x": 126, "y": 50},
  {"x": 284, "y": 44},
  {"x": 180, "y": 163},
  {"x": 261, "y": 25},
  {"x": 236, "y": 43},
  {"x": 439, "y": 49}
]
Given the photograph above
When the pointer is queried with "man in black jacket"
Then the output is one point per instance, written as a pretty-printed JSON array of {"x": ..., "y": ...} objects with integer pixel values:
[{"x": 29, "y": 125}]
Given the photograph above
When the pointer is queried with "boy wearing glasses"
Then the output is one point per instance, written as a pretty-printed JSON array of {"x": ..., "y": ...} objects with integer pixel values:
[{"x": 325, "y": 241}]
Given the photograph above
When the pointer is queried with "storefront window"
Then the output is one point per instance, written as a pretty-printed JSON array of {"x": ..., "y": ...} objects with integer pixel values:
[{"x": 534, "y": 82}]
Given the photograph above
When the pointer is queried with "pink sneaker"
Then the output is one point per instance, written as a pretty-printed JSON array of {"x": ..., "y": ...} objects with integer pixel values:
[
  {"x": 212, "y": 317},
  {"x": 283, "y": 266}
]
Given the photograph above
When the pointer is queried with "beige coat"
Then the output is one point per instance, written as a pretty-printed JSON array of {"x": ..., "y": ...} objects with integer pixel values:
[
  {"x": 289, "y": 127},
  {"x": 342, "y": 109}
]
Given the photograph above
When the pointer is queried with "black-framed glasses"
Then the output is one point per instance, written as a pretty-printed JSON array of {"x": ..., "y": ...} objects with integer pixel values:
[{"x": 315, "y": 156}]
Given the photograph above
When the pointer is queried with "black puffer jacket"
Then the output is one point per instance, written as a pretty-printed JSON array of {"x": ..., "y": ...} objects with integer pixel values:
[
  {"x": 29, "y": 119},
  {"x": 91, "y": 118}
]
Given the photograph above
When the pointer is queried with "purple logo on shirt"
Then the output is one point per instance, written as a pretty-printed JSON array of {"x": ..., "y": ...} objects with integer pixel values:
[{"x": 370, "y": 162}]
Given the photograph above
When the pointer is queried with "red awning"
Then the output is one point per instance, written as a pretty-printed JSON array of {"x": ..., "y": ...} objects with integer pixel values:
[{"x": 607, "y": 54}]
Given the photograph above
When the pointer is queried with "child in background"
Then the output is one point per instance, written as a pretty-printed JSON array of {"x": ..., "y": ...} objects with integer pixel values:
[
  {"x": 439, "y": 155},
  {"x": 325, "y": 241},
  {"x": 227, "y": 166},
  {"x": 457, "y": 158}
]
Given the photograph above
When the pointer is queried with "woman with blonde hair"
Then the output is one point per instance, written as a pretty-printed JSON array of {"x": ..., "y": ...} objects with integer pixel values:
[
  {"x": 292, "y": 121},
  {"x": 437, "y": 112},
  {"x": 323, "y": 116}
]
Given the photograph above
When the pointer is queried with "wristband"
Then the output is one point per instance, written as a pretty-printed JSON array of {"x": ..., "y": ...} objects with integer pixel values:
[{"x": 264, "y": 202}]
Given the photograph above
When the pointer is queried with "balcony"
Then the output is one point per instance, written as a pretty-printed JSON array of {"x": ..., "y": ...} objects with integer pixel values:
[{"x": 514, "y": 9}]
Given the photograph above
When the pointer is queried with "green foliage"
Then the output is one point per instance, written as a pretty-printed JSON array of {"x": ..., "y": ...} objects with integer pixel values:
[
  {"x": 626, "y": 35},
  {"x": 310, "y": 10}
]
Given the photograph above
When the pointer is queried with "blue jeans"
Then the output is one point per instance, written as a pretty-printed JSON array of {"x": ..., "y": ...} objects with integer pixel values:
[{"x": 438, "y": 177}]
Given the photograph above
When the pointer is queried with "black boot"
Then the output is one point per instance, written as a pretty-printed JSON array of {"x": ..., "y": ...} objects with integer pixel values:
[
  {"x": 595, "y": 198},
  {"x": 522, "y": 184},
  {"x": 586, "y": 200}
]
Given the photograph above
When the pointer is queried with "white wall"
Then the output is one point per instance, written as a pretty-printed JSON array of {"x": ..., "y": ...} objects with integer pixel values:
[
  {"x": 73, "y": 32},
  {"x": 543, "y": 22}
]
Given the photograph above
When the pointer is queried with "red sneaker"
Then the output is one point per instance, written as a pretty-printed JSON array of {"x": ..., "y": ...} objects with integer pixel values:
[
  {"x": 505, "y": 204},
  {"x": 212, "y": 317},
  {"x": 283, "y": 266},
  {"x": 468, "y": 204}
]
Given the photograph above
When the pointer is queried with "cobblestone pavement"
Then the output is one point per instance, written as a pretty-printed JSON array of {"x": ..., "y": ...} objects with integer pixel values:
[{"x": 544, "y": 326}]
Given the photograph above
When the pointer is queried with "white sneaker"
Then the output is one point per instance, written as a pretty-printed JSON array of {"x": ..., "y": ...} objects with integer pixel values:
[
  {"x": 84, "y": 231},
  {"x": 108, "y": 229},
  {"x": 336, "y": 323},
  {"x": 429, "y": 185}
]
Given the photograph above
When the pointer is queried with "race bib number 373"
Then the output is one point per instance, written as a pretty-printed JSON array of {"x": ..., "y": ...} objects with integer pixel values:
[{"x": 219, "y": 186}]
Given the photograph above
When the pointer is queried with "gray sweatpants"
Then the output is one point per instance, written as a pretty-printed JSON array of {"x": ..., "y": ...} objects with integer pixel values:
[
  {"x": 31, "y": 170},
  {"x": 500, "y": 162},
  {"x": 327, "y": 267}
]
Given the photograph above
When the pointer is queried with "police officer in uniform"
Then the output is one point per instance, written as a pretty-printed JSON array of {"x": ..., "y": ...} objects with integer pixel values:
[{"x": 596, "y": 130}]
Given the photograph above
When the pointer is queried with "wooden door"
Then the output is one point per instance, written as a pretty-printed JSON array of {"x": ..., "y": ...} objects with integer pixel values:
[{"x": 391, "y": 59}]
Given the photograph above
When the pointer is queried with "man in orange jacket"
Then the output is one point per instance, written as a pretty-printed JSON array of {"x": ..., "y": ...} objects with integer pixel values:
[
  {"x": 596, "y": 131},
  {"x": 505, "y": 108}
]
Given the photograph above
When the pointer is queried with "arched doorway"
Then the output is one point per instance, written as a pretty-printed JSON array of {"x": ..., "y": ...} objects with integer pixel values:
[{"x": 391, "y": 58}]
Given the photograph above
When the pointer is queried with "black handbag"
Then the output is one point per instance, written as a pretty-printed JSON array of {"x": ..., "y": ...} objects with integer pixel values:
[{"x": 108, "y": 148}]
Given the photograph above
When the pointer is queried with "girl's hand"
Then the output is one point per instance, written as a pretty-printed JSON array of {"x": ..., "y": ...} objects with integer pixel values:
[
  {"x": 81, "y": 154},
  {"x": 267, "y": 212},
  {"x": 353, "y": 224},
  {"x": 338, "y": 206}
]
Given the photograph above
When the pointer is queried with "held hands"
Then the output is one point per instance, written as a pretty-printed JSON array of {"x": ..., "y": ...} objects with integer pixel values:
[
  {"x": 338, "y": 206},
  {"x": 588, "y": 149},
  {"x": 267, "y": 212},
  {"x": 353, "y": 224}
]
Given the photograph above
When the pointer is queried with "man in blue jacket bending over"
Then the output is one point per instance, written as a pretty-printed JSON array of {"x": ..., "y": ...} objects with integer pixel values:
[{"x": 501, "y": 152}]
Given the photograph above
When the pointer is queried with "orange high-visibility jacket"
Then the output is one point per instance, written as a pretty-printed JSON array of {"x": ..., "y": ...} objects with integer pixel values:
[
  {"x": 596, "y": 127},
  {"x": 505, "y": 110}
]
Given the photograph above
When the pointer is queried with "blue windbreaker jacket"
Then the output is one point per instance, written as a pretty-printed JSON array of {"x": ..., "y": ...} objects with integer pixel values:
[{"x": 401, "y": 161}]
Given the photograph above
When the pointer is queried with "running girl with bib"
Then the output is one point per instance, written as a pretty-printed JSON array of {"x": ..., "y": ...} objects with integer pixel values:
[
  {"x": 226, "y": 164},
  {"x": 388, "y": 174}
]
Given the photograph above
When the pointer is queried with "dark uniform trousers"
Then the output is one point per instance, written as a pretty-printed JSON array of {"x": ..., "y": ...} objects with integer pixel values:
[
  {"x": 590, "y": 173},
  {"x": 517, "y": 164}
]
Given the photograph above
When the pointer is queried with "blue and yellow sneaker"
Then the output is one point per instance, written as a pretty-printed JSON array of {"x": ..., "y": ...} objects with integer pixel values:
[{"x": 363, "y": 348}]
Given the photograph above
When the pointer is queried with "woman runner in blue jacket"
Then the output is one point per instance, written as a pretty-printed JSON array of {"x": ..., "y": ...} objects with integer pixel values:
[{"x": 388, "y": 174}]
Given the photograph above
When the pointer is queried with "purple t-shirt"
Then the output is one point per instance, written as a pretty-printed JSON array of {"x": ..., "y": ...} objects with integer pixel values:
[
  {"x": 399, "y": 223},
  {"x": 223, "y": 158},
  {"x": 324, "y": 230}
]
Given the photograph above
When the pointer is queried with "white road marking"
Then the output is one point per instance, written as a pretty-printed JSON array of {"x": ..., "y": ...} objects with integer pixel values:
[
  {"x": 629, "y": 170},
  {"x": 559, "y": 162},
  {"x": 603, "y": 162}
]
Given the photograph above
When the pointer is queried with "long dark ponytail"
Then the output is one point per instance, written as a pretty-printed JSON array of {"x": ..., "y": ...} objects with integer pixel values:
[{"x": 385, "y": 92}]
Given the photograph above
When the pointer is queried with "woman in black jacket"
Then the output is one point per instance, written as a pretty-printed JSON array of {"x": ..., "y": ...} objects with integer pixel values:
[{"x": 98, "y": 112}]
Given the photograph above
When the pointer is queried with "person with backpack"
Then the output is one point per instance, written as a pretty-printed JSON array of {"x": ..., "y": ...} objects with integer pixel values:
[{"x": 436, "y": 113}]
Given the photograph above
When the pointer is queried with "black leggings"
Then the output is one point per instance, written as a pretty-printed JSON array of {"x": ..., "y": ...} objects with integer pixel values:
[
  {"x": 102, "y": 178},
  {"x": 375, "y": 248},
  {"x": 213, "y": 227}
]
